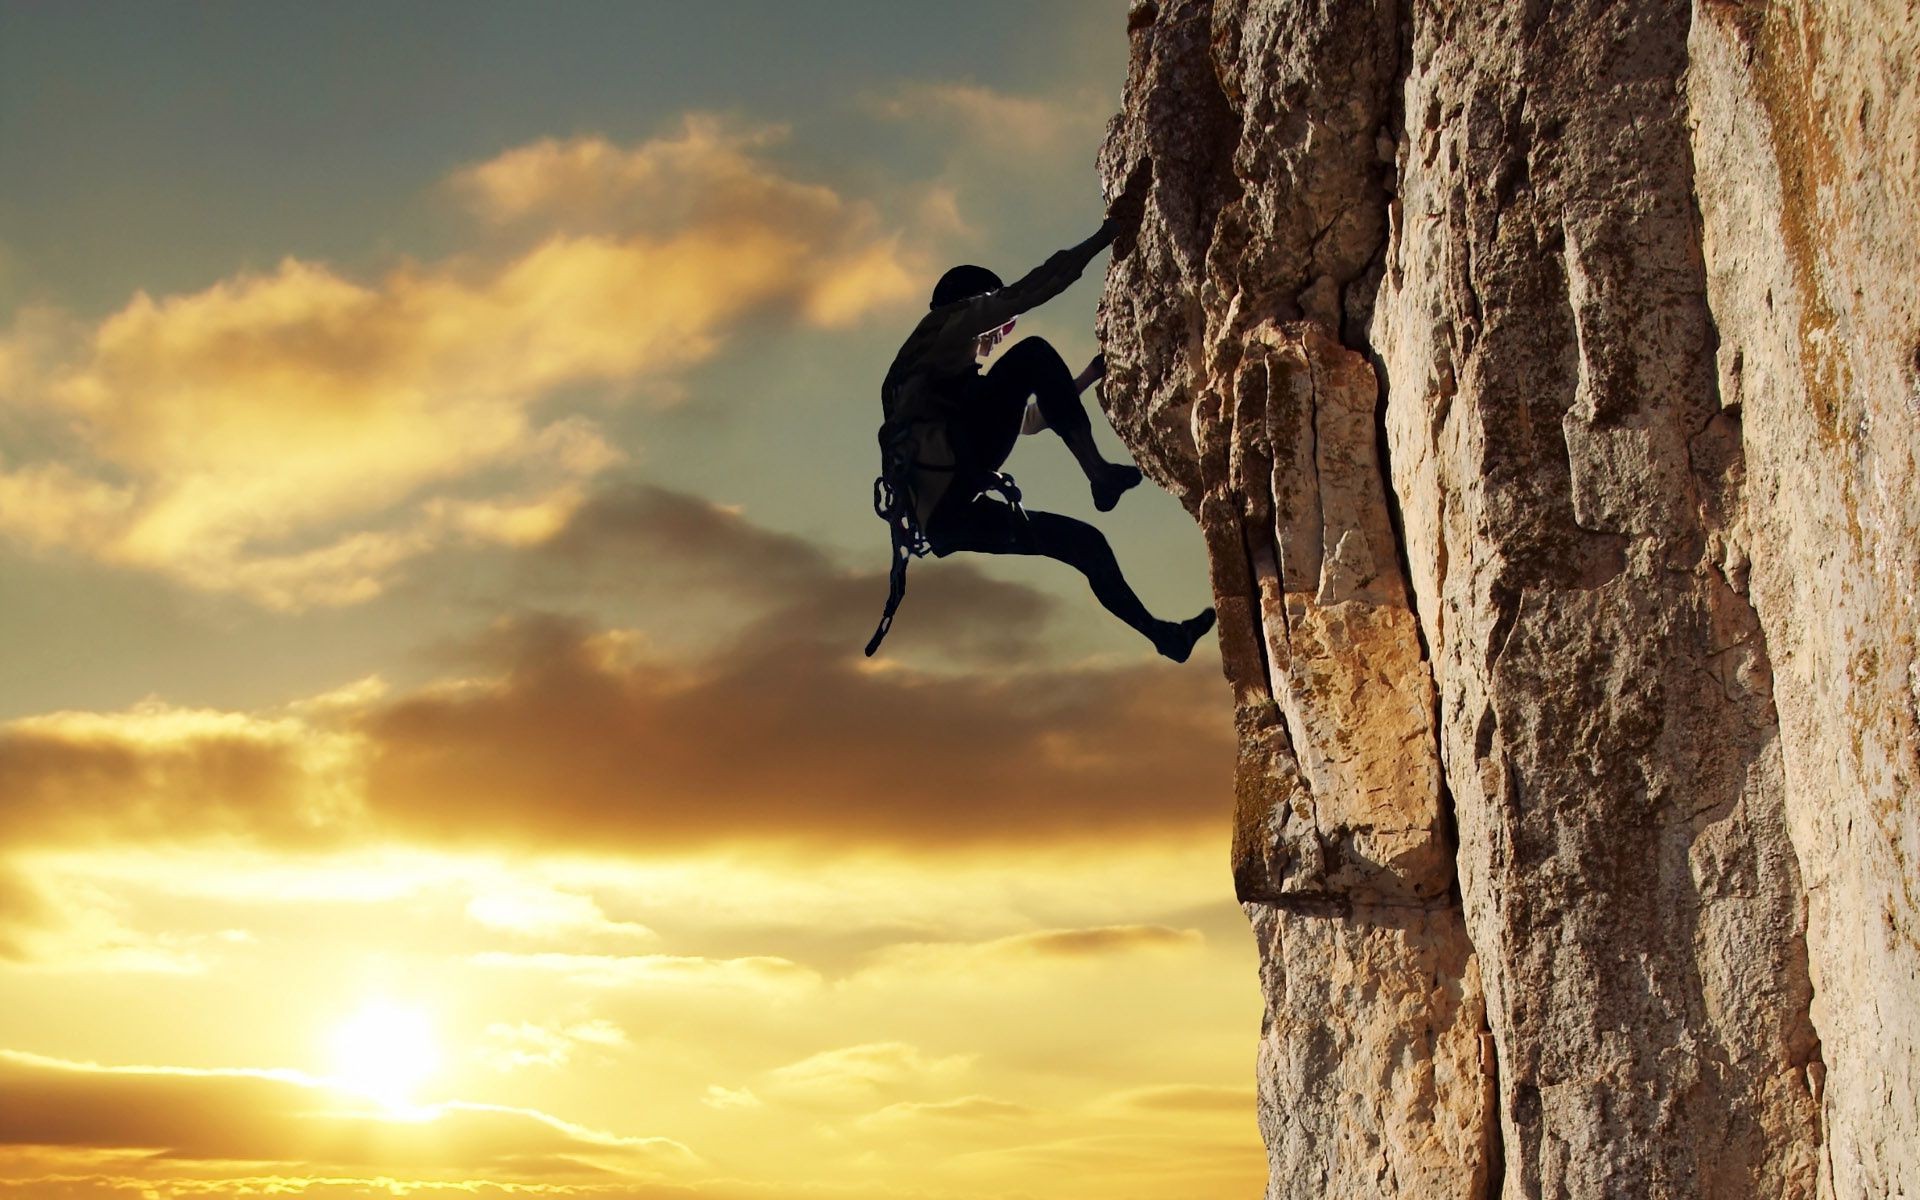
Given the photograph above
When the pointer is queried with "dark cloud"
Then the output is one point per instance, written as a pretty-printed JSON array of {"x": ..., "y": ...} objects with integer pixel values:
[
  {"x": 784, "y": 733},
  {"x": 636, "y": 538},
  {"x": 69, "y": 778},
  {"x": 789, "y": 740},
  {"x": 635, "y": 532},
  {"x": 1101, "y": 941}
]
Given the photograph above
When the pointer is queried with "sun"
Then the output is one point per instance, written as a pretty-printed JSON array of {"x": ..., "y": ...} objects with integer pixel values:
[{"x": 385, "y": 1052}]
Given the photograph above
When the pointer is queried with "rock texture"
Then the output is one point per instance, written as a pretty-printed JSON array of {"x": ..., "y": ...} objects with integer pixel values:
[{"x": 1545, "y": 380}]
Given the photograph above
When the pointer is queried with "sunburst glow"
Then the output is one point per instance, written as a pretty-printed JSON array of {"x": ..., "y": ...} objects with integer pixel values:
[{"x": 385, "y": 1051}]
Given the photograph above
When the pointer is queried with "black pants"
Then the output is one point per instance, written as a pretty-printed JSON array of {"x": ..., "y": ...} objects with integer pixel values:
[{"x": 983, "y": 438}]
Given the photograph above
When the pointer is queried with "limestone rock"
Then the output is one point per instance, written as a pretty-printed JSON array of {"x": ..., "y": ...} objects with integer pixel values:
[{"x": 1546, "y": 384}]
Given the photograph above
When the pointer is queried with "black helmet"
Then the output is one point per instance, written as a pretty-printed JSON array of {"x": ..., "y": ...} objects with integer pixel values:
[{"x": 962, "y": 283}]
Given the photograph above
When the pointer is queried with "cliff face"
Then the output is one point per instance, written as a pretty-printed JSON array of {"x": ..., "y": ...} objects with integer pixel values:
[{"x": 1546, "y": 383}]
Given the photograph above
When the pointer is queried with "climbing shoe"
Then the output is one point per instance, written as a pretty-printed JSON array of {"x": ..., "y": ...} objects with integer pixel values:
[
  {"x": 1176, "y": 638},
  {"x": 1117, "y": 478}
]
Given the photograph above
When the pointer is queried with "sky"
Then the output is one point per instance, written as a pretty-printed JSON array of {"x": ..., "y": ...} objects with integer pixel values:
[{"x": 436, "y": 446}]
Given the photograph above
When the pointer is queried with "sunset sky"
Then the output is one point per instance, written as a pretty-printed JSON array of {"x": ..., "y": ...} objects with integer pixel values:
[{"x": 436, "y": 756}]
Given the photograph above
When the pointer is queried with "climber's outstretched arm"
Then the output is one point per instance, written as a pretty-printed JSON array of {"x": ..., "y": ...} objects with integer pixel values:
[{"x": 1036, "y": 287}]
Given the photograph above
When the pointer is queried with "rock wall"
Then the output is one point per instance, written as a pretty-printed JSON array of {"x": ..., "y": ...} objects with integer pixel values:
[{"x": 1545, "y": 380}]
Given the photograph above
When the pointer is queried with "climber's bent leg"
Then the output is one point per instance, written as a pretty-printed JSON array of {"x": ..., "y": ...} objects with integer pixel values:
[{"x": 1032, "y": 367}]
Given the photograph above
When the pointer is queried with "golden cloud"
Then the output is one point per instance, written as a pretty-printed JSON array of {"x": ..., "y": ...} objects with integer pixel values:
[
  {"x": 1190, "y": 1099},
  {"x": 917, "y": 962},
  {"x": 157, "y": 771},
  {"x": 285, "y": 1117},
  {"x": 857, "y": 1074},
  {"x": 760, "y": 974},
  {"x": 89, "y": 932},
  {"x": 539, "y": 911},
  {"x": 511, "y": 1047},
  {"x": 298, "y": 435},
  {"x": 1092, "y": 943}
]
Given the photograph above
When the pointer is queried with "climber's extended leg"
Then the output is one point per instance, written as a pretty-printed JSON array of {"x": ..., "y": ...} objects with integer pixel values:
[
  {"x": 1032, "y": 367},
  {"x": 988, "y": 526}
]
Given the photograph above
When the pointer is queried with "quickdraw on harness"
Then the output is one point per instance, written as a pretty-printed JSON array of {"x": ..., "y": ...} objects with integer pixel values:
[{"x": 893, "y": 503}]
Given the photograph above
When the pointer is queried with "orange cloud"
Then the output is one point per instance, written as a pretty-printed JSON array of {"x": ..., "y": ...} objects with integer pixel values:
[
  {"x": 157, "y": 772},
  {"x": 285, "y": 1117},
  {"x": 1093, "y": 943},
  {"x": 827, "y": 747},
  {"x": 297, "y": 436},
  {"x": 787, "y": 737}
]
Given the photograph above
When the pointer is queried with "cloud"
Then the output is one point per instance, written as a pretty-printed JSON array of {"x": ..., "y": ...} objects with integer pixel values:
[
  {"x": 917, "y": 962},
  {"x": 708, "y": 174},
  {"x": 24, "y": 910},
  {"x": 785, "y": 738},
  {"x": 857, "y": 1074},
  {"x": 525, "y": 1044},
  {"x": 1195, "y": 1164},
  {"x": 92, "y": 1177},
  {"x": 632, "y": 534},
  {"x": 87, "y": 930},
  {"x": 725, "y": 1098},
  {"x": 540, "y": 911},
  {"x": 157, "y": 771},
  {"x": 274, "y": 1116},
  {"x": 784, "y": 733},
  {"x": 564, "y": 735},
  {"x": 1091, "y": 943},
  {"x": 1005, "y": 121},
  {"x": 765, "y": 975},
  {"x": 1191, "y": 1099},
  {"x": 634, "y": 537},
  {"x": 711, "y": 176},
  {"x": 967, "y": 1109},
  {"x": 298, "y": 435}
]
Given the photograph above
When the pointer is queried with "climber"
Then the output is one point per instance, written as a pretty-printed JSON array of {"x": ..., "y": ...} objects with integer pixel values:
[{"x": 949, "y": 427}]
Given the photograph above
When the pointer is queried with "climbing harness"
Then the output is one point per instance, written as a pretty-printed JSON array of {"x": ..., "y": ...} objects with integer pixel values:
[{"x": 893, "y": 503}]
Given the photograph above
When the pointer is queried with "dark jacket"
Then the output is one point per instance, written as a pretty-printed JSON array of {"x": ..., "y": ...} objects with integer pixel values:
[{"x": 929, "y": 376}]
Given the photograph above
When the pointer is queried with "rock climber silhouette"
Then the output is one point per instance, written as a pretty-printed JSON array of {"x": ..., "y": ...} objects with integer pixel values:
[{"x": 950, "y": 426}]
